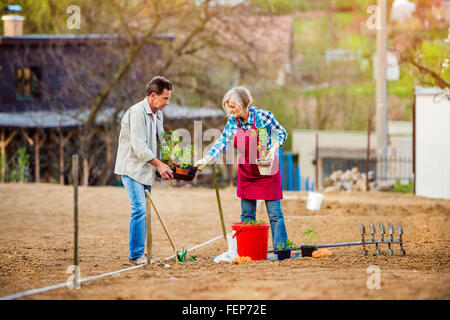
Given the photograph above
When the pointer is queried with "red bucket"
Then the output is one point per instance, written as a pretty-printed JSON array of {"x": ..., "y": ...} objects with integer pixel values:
[{"x": 252, "y": 240}]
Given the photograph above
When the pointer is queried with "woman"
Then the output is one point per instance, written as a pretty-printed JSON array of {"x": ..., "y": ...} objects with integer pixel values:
[{"x": 243, "y": 121}]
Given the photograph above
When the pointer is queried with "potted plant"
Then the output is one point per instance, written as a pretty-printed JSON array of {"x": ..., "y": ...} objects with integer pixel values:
[
  {"x": 283, "y": 250},
  {"x": 264, "y": 165},
  {"x": 177, "y": 158},
  {"x": 309, "y": 242}
]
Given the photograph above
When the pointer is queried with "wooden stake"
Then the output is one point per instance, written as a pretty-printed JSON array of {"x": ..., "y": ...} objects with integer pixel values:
[
  {"x": 216, "y": 186},
  {"x": 368, "y": 153},
  {"x": 149, "y": 230},
  {"x": 75, "y": 215},
  {"x": 162, "y": 223}
]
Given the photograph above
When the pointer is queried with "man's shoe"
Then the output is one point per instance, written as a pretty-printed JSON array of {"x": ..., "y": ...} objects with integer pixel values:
[
  {"x": 140, "y": 260},
  {"x": 143, "y": 260}
]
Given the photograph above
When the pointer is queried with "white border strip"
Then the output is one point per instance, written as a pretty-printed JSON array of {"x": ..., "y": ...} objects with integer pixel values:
[{"x": 60, "y": 285}]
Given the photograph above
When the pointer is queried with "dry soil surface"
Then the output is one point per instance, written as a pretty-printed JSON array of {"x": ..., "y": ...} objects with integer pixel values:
[{"x": 37, "y": 238}]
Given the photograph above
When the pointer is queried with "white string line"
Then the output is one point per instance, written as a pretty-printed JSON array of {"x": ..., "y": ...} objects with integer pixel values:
[{"x": 60, "y": 285}]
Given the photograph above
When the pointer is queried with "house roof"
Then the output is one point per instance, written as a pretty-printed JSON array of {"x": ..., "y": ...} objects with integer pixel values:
[
  {"x": 30, "y": 39},
  {"x": 74, "y": 118}
]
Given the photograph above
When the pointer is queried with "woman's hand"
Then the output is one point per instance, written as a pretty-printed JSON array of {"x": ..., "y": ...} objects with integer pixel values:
[
  {"x": 200, "y": 164},
  {"x": 273, "y": 151}
]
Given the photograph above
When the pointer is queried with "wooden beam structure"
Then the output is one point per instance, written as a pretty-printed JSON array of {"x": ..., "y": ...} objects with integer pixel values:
[
  {"x": 61, "y": 141},
  {"x": 36, "y": 142}
]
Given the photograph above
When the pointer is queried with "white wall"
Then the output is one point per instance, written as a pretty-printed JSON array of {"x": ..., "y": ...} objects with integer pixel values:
[{"x": 432, "y": 146}]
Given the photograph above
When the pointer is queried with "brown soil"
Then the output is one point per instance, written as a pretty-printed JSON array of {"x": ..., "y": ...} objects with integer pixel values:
[{"x": 36, "y": 236}]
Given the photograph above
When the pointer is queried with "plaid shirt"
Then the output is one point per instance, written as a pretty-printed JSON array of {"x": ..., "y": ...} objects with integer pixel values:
[{"x": 264, "y": 119}]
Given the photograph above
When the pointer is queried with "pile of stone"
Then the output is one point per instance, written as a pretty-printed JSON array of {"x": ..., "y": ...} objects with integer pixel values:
[{"x": 350, "y": 180}]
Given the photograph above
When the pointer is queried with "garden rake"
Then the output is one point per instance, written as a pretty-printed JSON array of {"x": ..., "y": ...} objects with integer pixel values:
[{"x": 388, "y": 239}]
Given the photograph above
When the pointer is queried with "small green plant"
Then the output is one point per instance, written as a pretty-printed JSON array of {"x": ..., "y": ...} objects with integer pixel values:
[
  {"x": 169, "y": 146},
  {"x": 22, "y": 164},
  {"x": 19, "y": 171},
  {"x": 310, "y": 237},
  {"x": 286, "y": 246},
  {"x": 403, "y": 188},
  {"x": 4, "y": 164},
  {"x": 172, "y": 153},
  {"x": 263, "y": 141},
  {"x": 254, "y": 222},
  {"x": 185, "y": 157}
]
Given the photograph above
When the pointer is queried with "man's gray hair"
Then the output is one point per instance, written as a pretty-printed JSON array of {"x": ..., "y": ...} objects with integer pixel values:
[{"x": 240, "y": 96}]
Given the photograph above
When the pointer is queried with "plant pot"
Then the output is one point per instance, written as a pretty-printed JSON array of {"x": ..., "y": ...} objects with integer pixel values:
[
  {"x": 264, "y": 166},
  {"x": 308, "y": 250},
  {"x": 283, "y": 254},
  {"x": 181, "y": 171}
]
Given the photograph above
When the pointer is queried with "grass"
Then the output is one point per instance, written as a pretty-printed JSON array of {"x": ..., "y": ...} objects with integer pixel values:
[{"x": 403, "y": 188}]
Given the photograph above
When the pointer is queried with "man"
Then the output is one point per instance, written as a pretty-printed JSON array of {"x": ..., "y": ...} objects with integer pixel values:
[{"x": 137, "y": 158}]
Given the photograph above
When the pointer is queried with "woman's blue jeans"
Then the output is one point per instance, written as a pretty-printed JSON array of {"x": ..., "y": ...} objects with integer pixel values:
[
  {"x": 138, "y": 222},
  {"x": 279, "y": 234}
]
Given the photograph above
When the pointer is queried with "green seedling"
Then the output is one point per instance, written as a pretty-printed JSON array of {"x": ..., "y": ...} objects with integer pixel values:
[
  {"x": 181, "y": 256},
  {"x": 254, "y": 222},
  {"x": 310, "y": 237},
  {"x": 263, "y": 141},
  {"x": 172, "y": 153},
  {"x": 286, "y": 246}
]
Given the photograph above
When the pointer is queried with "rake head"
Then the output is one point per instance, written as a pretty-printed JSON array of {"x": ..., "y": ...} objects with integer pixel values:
[{"x": 389, "y": 240}]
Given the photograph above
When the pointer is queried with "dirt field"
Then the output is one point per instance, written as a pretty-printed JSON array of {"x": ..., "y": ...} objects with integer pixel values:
[{"x": 36, "y": 237}]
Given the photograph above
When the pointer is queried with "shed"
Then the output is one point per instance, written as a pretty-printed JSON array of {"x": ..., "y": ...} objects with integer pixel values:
[{"x": 431, "y": 143}]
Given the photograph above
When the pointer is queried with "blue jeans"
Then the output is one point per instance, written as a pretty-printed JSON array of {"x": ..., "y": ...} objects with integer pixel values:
[
  {"x": 279, "y": 234},
  {"x": 138, "y": 220}
]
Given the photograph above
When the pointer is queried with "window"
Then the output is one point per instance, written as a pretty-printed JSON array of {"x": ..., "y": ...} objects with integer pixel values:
[{"x": 28, "y": 81}]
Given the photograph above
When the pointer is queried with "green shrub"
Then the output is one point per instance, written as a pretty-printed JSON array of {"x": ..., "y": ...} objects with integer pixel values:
[{"x": 403, "y": 188}]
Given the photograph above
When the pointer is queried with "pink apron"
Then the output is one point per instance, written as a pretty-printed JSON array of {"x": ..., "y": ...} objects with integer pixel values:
[{"x": 250, "y": 184}]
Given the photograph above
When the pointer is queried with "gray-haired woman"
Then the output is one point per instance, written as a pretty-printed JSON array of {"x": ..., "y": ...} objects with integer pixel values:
[{"x": 243, "y": 121}]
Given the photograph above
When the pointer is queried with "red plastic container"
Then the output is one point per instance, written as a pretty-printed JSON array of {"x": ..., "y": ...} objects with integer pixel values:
[{"x": 252, "y": 240}]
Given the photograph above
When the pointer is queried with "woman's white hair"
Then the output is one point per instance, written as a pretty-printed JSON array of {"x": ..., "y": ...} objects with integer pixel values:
[{"x": 240, "y": 96}]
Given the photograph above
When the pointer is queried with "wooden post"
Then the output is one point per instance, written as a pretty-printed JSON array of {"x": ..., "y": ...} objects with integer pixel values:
[
  {"x": 37, "y": 163},
  {"x": 414, "y": 140},
  {"x": 216, "y": 186},
  {"x": 230, "y": 174},
  {"x": 75, "y": 215},
  {"x": 149, "y": 230},
  {"x": 37, "y": 144},
  {"x": 85, "y": 172},
  {"x": 317, "y": 163},
  {"x": 368, "y": 154}
]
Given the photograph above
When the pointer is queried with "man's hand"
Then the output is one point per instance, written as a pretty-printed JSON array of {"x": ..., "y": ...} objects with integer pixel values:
[{"x": 165, "y": 171}]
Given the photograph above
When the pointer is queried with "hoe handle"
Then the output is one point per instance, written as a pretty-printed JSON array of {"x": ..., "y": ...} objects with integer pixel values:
[{"x": 163, "y": 225}]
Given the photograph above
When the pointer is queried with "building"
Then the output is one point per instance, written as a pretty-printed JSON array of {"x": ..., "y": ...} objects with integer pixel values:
[
  {"x": 342, "y": 150},
  {"x": 47, "y": 84},
  {"x": 431, "y": 143}
]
